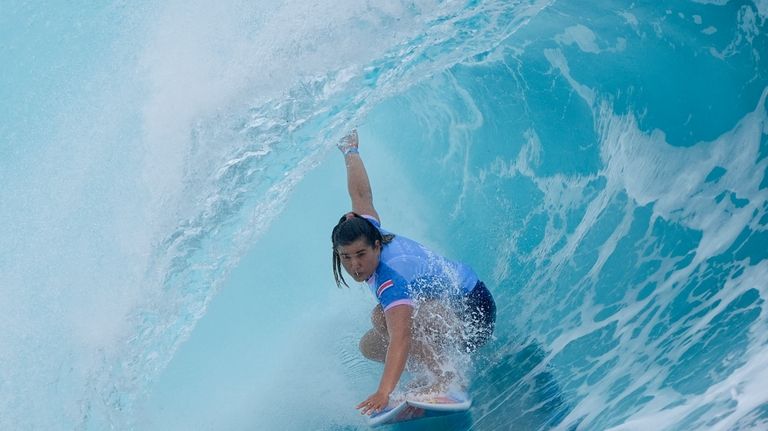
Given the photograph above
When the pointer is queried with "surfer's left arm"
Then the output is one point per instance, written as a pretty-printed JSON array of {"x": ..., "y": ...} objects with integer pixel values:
[{"x": 399, "y": 322}]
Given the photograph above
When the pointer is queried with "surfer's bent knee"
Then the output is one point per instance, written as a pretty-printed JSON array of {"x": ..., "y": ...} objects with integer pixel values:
[{"x": 373, "y": 346}]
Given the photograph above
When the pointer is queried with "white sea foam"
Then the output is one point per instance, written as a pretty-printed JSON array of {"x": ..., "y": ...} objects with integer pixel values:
[{"x": 674, "y": 181}]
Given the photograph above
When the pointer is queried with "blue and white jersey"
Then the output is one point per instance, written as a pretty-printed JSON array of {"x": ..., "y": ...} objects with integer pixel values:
[{"x": 408, "y": 271}]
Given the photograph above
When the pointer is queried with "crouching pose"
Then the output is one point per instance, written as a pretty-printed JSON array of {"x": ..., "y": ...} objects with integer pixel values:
[{"x": 427, "y": 303}]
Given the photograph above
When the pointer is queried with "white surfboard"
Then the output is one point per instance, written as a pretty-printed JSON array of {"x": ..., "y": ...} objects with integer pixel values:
[
  {"x": 454, "y": 401},
  {"x": 422, "y": 407}
]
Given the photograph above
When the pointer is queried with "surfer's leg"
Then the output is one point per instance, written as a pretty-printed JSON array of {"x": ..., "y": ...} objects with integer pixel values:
[
  {"x": 436, "y": 328},
  {"x": 436, "y": 324},
  {"x": 373, "y": 345}
]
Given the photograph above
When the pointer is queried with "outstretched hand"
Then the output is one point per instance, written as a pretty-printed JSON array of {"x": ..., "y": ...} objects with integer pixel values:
[
  {"x": 348, "y": 144},
  {"x": 374, "y": 404}
]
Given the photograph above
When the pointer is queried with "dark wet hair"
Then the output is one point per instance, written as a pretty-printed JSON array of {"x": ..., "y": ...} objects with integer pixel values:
[{"x": 350, "y": 228}]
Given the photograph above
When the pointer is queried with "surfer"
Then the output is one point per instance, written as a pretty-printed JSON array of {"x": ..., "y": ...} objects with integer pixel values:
[{"x": 427, "y": 303}]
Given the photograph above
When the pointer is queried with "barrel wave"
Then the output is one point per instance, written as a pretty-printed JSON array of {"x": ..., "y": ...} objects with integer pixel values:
[{"x": 170, "y": 178}]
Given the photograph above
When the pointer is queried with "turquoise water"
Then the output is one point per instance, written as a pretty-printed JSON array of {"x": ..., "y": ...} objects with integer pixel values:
[{"x": 170, "y": 179}]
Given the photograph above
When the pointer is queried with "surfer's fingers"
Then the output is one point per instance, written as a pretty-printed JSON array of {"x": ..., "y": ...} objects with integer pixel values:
[{"x": 365, "y": 406}]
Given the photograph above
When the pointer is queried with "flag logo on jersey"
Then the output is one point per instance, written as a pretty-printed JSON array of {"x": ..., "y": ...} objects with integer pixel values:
[{"x": 384, "y": 286}]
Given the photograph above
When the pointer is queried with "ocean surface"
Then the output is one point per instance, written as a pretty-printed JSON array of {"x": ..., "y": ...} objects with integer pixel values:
[{"x": 169, "y": 180}]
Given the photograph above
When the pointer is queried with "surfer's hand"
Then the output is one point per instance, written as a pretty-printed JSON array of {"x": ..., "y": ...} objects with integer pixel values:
[
  {"x": 348, "y": 144},
  {"x": 375, "y": 403}
]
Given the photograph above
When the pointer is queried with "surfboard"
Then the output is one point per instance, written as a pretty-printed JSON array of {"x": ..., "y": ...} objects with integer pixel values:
[{"x": 422, "y": 407}]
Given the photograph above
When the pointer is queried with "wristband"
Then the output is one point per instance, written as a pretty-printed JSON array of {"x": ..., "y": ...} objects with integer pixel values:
[{"x": 351, "y": 150}]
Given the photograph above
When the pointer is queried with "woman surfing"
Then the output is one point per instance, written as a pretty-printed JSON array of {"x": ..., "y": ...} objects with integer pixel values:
[{"x": 427, "y": 304}]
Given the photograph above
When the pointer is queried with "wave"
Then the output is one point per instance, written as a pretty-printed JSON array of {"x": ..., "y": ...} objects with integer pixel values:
[{"x": 583, "y": 160}]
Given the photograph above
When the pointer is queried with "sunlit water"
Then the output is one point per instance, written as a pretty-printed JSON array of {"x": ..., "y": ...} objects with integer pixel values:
[{"x": 169, "y": 181}]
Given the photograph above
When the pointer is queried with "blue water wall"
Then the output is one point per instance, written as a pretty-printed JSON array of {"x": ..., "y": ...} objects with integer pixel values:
[{"x": 169, "y": 180}]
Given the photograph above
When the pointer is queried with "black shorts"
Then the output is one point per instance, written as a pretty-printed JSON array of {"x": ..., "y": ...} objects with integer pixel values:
[{"x": 480, "y": 311}]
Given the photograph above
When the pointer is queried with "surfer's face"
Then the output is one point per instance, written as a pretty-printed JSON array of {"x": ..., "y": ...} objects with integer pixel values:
[{"x": 359, "y": 258}]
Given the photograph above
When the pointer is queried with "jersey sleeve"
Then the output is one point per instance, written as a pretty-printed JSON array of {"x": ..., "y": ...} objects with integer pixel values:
[{"x": 392, "y": 292}]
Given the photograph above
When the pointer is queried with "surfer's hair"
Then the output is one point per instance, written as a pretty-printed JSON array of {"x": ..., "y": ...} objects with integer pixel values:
[{"x": 349, "y": 229}]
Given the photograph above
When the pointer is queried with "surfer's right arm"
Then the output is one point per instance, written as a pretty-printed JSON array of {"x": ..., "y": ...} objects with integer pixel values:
[
  {"x": 399, "y": 322},
  {"x": 358, "y": 185}
]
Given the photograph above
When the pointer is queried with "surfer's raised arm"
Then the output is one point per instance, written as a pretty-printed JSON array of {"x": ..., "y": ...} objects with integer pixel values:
[
  {"x": 398, "y": 319},
  {"x": 357, "y": 178}
]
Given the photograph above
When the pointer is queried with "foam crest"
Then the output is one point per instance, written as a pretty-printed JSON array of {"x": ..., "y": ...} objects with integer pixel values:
[
  {"x": 676, "y": 180},
  {"x": 623, "y": 353},
  {"x": 677, "y": 184}
]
